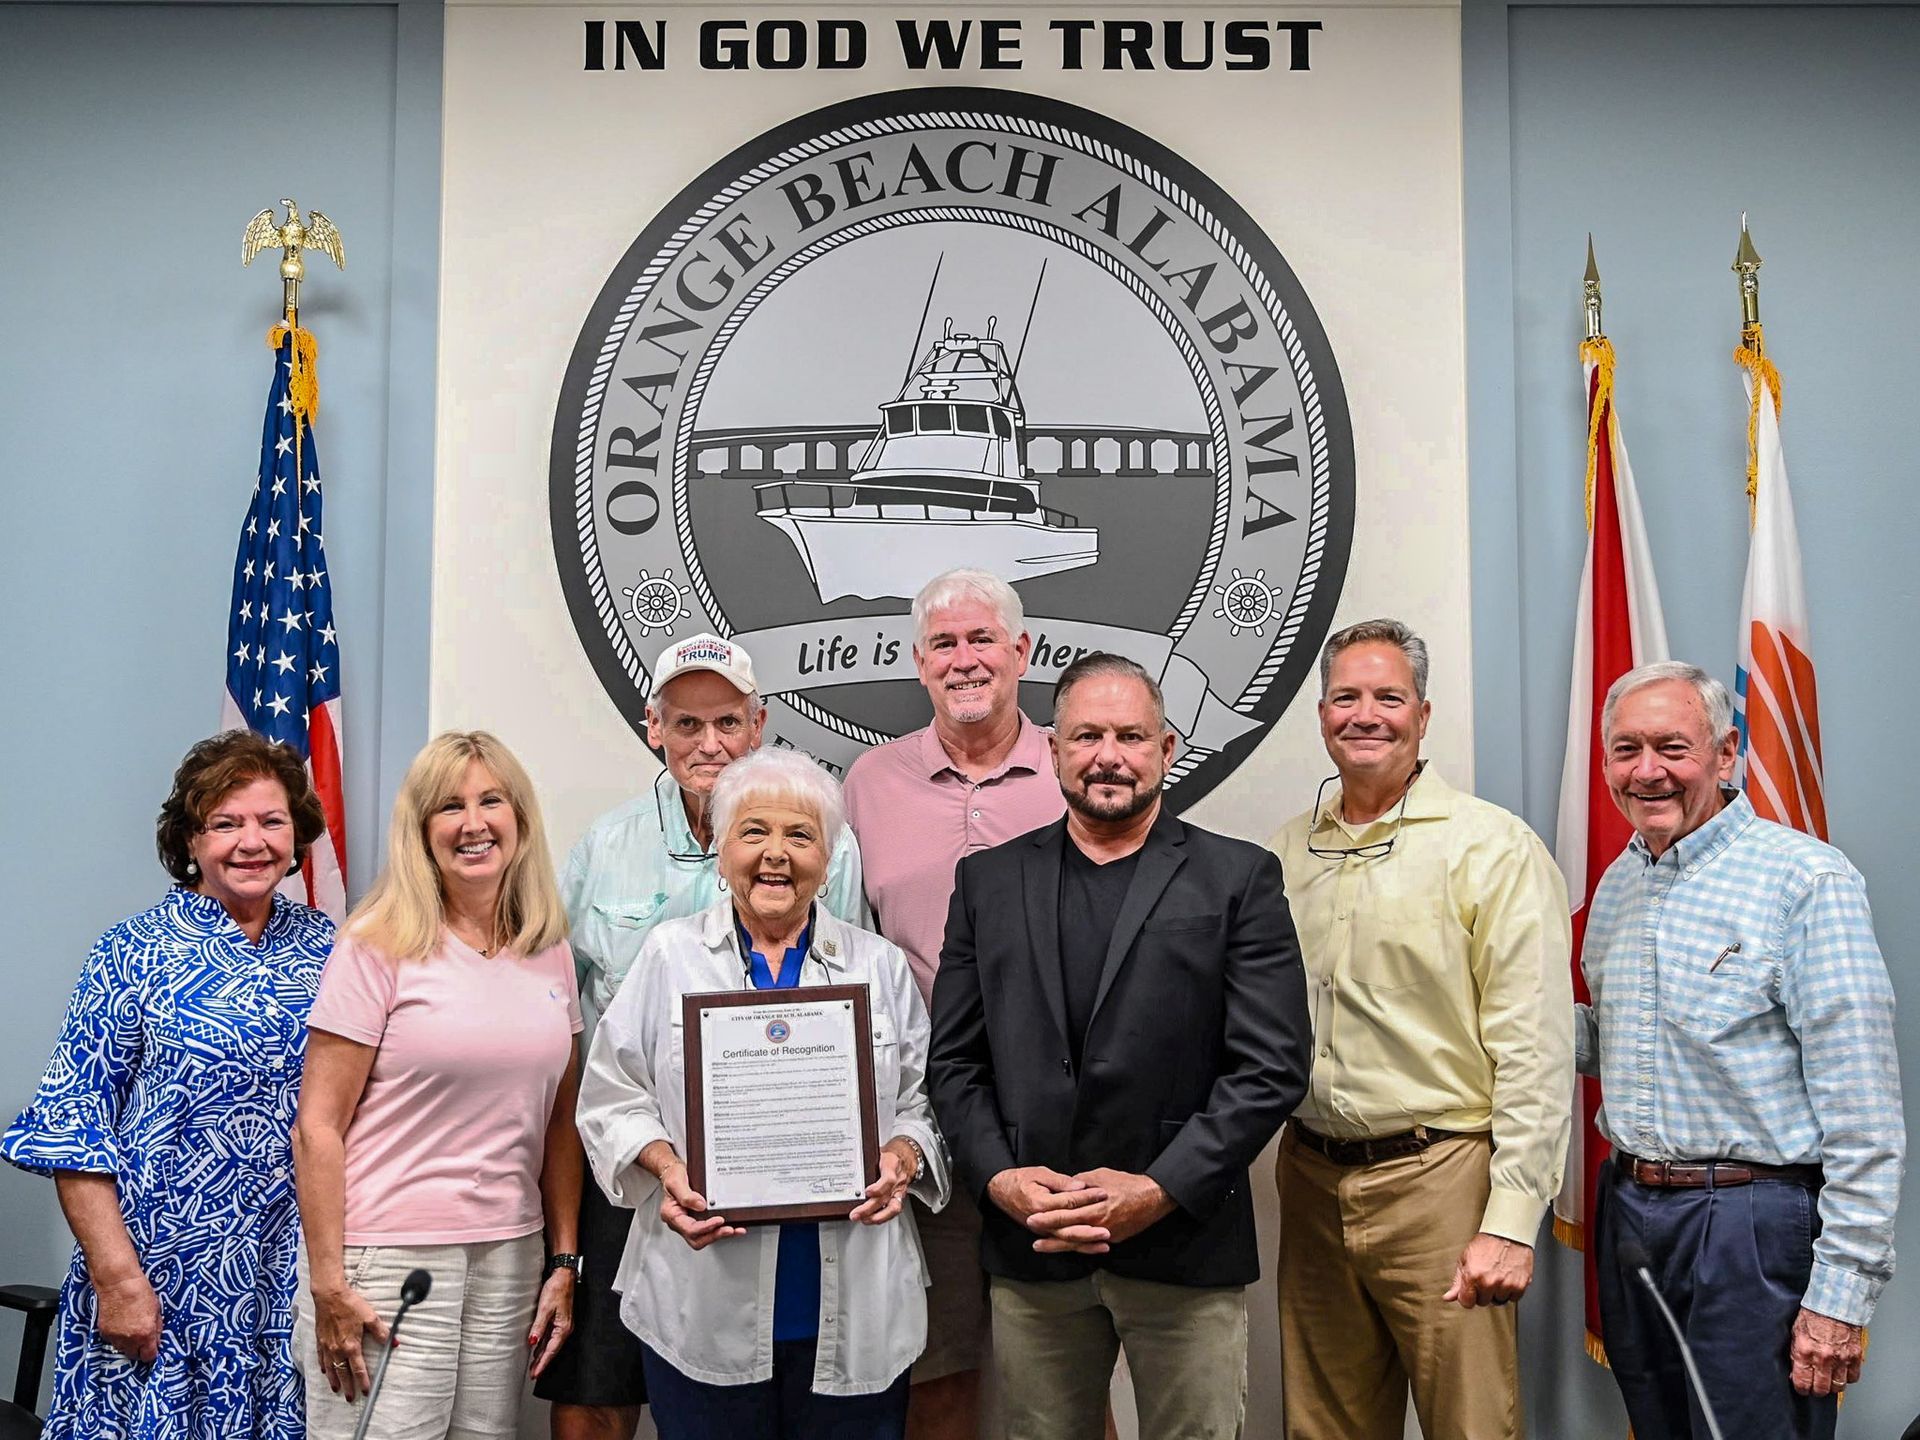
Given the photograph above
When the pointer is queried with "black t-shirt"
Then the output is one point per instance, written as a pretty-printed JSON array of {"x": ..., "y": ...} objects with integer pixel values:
[{"x": 1090, "y": 898}]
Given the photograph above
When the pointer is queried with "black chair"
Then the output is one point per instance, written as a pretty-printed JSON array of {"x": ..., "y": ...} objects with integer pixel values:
[{"x": 37, "y": 1303}]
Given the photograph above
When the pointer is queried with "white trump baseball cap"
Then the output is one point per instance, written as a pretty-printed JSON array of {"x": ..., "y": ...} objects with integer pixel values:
[{"x": 706, "y": 652}]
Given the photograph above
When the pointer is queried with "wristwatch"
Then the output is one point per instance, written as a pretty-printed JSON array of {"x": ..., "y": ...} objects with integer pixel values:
[{"x": 575, "y": 1263}]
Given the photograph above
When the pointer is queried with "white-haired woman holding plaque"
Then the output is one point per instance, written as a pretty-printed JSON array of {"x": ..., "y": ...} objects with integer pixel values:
[{"x": 800, "y": 1330}]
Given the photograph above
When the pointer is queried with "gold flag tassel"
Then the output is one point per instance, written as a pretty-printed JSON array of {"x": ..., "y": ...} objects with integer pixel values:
[
  {"x": 1597, "y": 1352},
  {"x": 1751, "y": 355},
  {"x": 303, "y": 380},
  {"x": 1598, "y": 350}
]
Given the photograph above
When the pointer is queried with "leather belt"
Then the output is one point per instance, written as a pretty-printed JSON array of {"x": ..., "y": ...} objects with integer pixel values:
[
  {"x": 1379, "y": 1147},
  {"x": 1712, "y": 1174}
]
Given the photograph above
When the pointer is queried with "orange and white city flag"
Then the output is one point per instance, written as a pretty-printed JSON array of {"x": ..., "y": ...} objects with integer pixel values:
[
  {"x": 1777, "y": 704},
  {"x": 1618, "y": 625}
]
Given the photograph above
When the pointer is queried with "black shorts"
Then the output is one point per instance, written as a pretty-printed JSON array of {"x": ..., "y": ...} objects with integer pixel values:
[{"x": 600, "y": 1363}]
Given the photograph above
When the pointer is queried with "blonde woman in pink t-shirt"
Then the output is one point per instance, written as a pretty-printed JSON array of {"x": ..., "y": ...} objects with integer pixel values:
[{"x": 436, "y": 1125}]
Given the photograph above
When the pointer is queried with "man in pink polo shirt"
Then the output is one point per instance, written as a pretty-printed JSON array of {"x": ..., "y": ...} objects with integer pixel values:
[{"x": 977, "y": 776}]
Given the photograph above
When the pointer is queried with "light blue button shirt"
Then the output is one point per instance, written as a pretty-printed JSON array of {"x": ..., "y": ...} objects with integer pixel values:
[
  {"x": 1741, "y": 1011},
  {"x": 626, "y": 875}
]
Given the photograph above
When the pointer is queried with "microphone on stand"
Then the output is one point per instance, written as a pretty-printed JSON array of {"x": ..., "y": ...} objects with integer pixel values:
[
  {"x": 1634, "y": 1260},
  {"x": 412, "y": 1291},
  {"x": 1912, "y": 1432}
]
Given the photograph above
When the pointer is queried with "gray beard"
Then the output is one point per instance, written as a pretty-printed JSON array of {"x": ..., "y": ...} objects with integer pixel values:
[{"x": 1142, "y": 799}]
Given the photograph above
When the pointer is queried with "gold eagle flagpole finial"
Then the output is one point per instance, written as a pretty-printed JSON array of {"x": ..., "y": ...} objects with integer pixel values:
[{"x": 316, "y": 232}]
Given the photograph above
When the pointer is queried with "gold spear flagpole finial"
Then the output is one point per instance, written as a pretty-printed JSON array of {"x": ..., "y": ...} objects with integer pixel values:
[
  {"x": 1746, "y": 264},
  {"x": 1591, "y": 286},
  {"x": 1751, "y": 356}
]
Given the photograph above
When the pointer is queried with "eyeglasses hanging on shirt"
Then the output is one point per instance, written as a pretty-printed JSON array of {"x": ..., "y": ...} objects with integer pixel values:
[
  {"x": 697, "y": 857},
  {"x": 1374, "y": 849}
]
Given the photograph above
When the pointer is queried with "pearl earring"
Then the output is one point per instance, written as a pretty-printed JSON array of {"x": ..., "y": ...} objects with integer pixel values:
[{"x": 192, "y": 868}]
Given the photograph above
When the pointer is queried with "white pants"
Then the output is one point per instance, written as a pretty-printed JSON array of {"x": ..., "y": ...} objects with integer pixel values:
[{"x": 461, "y": 1363}]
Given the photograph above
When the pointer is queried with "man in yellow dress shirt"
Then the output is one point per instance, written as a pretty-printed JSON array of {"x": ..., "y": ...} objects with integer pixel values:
[{"x": 1414, "y": 1177}]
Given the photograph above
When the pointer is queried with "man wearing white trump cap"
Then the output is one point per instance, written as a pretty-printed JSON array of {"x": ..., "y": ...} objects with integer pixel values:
[{"x": 649, "y": 860}]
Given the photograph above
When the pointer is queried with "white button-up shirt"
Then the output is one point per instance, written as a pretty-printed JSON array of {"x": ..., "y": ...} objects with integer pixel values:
[{"x": 709, "y": 1313}]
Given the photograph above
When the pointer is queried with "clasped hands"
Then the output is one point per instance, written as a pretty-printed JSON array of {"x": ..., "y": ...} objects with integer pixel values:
[{"x": 1083, "y": 1214}]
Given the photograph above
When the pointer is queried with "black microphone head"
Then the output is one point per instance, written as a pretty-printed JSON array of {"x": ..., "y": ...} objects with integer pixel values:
[
  {"x": 1633, "y": 1257},
  {"x": 1912, "y": 1432},
  {"x": 415, "y": 1287}
]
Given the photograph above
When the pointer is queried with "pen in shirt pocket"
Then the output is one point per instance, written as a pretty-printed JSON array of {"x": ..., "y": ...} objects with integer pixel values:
[{"x": 1733, "y": 949}]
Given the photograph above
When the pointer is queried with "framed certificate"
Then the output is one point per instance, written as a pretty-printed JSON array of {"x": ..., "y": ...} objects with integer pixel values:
[{"x": 780, "y": 1112}]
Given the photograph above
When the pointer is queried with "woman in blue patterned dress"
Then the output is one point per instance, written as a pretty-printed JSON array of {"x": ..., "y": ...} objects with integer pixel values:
[{"x": 166, "y": 1115}]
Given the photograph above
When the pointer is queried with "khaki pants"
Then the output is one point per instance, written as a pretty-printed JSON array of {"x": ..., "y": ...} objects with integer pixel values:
[
  {"x": 1055, "y": 1343},
  {"x": 1366, "y": 1252},
  {"x": 462, "y": 1359}
]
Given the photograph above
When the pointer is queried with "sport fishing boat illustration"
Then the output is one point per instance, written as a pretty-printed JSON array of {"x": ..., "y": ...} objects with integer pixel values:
[{"x": 943, "y": 481}]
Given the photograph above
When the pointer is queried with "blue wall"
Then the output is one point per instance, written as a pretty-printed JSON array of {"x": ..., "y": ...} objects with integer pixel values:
[
  {"x": 1655, "y": 127},
  {"x": 135, "y": 142}
]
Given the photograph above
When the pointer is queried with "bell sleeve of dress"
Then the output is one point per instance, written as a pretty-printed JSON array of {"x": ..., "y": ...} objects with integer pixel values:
[
  {"x": 620, "y": 1111},
  {"x": 73, "y": 1122}
]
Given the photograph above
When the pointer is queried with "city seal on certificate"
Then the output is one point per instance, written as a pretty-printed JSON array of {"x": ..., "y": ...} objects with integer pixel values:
[{"x": 945, "y": 327}]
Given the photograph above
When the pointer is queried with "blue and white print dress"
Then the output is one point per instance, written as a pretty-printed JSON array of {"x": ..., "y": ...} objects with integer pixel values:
[{"x": 177, "y": 1072}]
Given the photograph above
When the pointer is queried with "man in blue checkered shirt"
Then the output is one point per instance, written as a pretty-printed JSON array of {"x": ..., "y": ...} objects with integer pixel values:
[{"x": 1742, "y": 1029}]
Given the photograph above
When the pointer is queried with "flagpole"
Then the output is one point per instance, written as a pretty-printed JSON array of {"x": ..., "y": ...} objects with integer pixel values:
[
  {"x": 1776, "y": 692},
  {"x": 1617, "y": 625},
  {"x": 1751, "y": 355},
  {"x": 281, "y": 568}
]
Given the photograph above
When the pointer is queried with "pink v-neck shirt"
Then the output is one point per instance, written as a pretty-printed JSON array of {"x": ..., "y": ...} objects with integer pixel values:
[
  {"x": 916, "y": 815},
  {"x": 448, "y": 1140}
]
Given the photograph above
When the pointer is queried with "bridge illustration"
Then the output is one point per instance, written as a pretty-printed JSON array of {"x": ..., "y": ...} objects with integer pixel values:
[{"x": 828, "y": 453}]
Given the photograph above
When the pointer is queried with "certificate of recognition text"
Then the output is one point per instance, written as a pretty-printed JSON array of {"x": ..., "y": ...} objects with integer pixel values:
[{"x": 780, "y": 1102}]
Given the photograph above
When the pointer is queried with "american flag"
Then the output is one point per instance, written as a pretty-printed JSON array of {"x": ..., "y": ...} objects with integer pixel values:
[{"x": 283, "y": 656}]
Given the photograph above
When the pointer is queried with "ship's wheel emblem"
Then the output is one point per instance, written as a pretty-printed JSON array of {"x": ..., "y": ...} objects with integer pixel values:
[
  {"x": 655, "y": 603},
  {"x": 1247, "y": 602}
]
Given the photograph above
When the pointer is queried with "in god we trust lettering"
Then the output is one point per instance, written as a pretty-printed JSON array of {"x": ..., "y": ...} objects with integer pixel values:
[
  {"x": 944, "y": 44},
  {"x": 945, "y": 327}
]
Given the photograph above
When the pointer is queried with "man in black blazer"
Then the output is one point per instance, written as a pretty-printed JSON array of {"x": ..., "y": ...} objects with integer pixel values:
[{"x": 1119, "y": 1027}]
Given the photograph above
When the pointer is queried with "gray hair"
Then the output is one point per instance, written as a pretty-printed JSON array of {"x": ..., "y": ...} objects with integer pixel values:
[
  {"x": 1714, "y": 698},
  {"x": 955, "y": 587},
  {"x": 1102, "y": 662},
  {"x": 1377, "y": 632},
  {"x": 791, "y": 777}
]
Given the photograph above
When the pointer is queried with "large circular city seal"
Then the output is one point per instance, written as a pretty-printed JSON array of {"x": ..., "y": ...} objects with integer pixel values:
[{"x": 944, "y": 327}]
